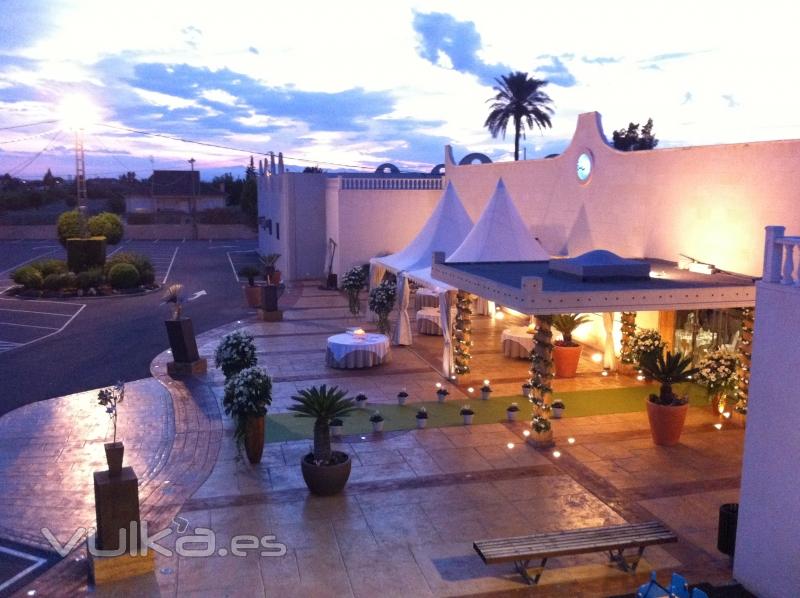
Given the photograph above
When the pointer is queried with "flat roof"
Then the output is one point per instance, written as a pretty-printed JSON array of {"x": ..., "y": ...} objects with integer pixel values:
[{"x": 532, "y": 287}]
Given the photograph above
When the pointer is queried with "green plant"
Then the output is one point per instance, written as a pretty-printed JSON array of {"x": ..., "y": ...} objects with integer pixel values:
[
  {"x": 83, "y": 254},
  {"x": 558, "y": 404},
  {"x": 466, "y": 410},
  {"x": 422, "y": 413},
  {"x": 250, "y": 273},
  {"x": 646, "y": 341},
  {"x": 47, "y": 267},
  {"x": 106, "y": 225},
  {"x": 247, "y": 394},
  {"x": 381, "y": 301},
  {"x": 93, "y": 277},
  {"x": 110, "y": 398},
  {"x": 540, "y": 425},
  {"x": 235, "y": 352},
  {"x": 717, "y": 371},
  {"x": 139, "y": 261},
  {"x": 71, "y": 225},
  {"x": 566, "y": 325},
  {"x": 57, "y": 282},
  {"x": 28, "y": 277},
  {"x": 512, "y": 407},
  {"x": 353, "y": 281},
  {"x": 376, "y": 417},
  {"x": 323, "y": 404},
  {"x": 123, "y": 276},
  {"x": 667, "y": 369}
]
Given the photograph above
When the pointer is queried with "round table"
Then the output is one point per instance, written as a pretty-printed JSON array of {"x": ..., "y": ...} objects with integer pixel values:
[
  {"x": 429, "y": 322},
  {"x": 350, "y": 351},
  {"x": 425, "y": 298},
  {"x": 517, "y": 342}
]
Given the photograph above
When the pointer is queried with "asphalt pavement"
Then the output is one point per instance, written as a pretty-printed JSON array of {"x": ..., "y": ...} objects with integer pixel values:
[{"x": 53, "y": 348}]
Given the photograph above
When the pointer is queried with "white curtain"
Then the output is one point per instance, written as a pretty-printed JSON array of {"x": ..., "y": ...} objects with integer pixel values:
[
  {"x": 444, "y": 319},
  {"x": 402, "y": 332},
  {"x": 609, "y": 359},
  {"x": 482, "y": 307}
]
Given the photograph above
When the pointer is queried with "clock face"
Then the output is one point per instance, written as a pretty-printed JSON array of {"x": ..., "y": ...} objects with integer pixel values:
[{"x": 583, "y": 166}]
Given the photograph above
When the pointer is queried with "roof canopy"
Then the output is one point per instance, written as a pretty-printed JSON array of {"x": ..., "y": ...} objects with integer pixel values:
[
  {"x": 500, "y": 235},
  {"x": 447, "y": 227}
]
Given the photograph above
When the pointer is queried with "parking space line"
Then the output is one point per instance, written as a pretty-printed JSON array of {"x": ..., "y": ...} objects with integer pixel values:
[
  {"x": 28, "y": 311},
  {"x": 46, "y": 301},
  {"x": 36, "y": 560},
  {"x": 235, "y": 273},
  {"x": 33, "y": 259},
  {"x": 55, "y": 331},
  {"x": 7, "y": 346},
  {"x": 172, "y": 261},
  {"x": 27, "y": 325}
]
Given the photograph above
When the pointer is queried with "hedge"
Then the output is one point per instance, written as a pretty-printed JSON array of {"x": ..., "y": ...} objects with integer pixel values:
[
  {"x": 123, "y": 276},
  {"x": 83, "y": 254}
]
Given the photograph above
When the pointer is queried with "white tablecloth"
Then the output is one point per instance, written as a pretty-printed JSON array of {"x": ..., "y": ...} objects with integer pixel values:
[
  {"x": 428, "y": 321},
  {"x": 426, "y": 298},
  {"x": 517, "y": 342},
  {"x": 351, "y": 351}
]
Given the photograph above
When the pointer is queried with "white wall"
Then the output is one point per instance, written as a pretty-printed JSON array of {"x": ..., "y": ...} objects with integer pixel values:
[
  {"x": 768, "y": 536},
  {"x": 709, "y": 202}
]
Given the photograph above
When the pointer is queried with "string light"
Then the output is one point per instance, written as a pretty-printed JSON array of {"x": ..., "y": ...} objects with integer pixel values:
[
  {"x": 571, "y": 440},
  {"x": 556, "y": 454}
]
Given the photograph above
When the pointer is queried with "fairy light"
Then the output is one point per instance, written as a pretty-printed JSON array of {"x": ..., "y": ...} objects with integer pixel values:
[
  {"x": 718, "y": 426},
  {"x": 470, "y": 389},
  {"x": 510, "y": 445},
  {"x": 597, "y": 357},
  {"x": 571, "y": 440},
  {"x": 556, "y": 454},
  {"x": 526, "y": 433},
  {"x": 486, "y": 383},
  {"x": 726, "y": 414},
  {"x": 438, "y": 385}
]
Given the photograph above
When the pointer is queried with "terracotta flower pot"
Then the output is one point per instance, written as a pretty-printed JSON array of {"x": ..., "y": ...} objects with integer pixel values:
[
  {"x": 114, "y": 453},
  {"x": 254, "y": 438},
  {"x": 275, "y": 277},
  {"x": 666, "y": 422},
  {"x": 566, "y": 360},
  {"x": 252, "y": 295},
  {"x": 326, "y": 480}
]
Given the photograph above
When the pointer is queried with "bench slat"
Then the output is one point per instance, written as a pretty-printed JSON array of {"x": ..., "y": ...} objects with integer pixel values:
[
  {"x": 566, "y": 542},
  {"x": 587, "y": 531}
]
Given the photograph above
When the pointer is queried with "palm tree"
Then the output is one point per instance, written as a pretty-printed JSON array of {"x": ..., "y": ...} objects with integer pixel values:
[
  {"x": 667, "y": 370},
  {"x": 520, "y": 98},
  {"x": 566, "y": 325},
  {"x": 323, "y": 404}
]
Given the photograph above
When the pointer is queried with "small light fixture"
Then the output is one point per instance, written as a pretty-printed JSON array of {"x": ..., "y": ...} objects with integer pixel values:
[
  {"x": 500, "y": 315},
  {"x": 470, "y": 389},
  {"x": 438, "y": 385},
  {"x": 571, "y": 440},
  {"x": 526, "y": 433},
  {"x": 510, "y": 445},
  {"x": 726, "y": 414},
  {"x": 718, "y": 426},
  {"x": 597, "y": 357},
  {"x": 486, "y": 383},
  {"x": 604, "y": 372},
  {"x": 556, "y": 454},
  {"x": 640, "y": 377}
]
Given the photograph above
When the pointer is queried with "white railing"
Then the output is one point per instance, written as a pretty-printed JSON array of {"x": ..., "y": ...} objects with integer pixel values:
[
  {"x": 404, "y": 184},
  {"x": 779, "y": 257}
]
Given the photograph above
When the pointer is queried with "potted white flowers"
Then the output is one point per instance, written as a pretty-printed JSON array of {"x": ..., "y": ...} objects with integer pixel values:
[
  {"x": 467, "y": 413},
  {"x": 247, "y": 396},
  {"x": 511, "y": 412},
  {"x": 235, "y": 352},
  {"x": 109, "y": 398},
  {"x": 361, "y": 399},
  {"x": 441, "y": 394},
  {"x": 352, "y": 282},
  {"x": 377, "y": 421},
  {"x": 402, "y": 397},
  {"x": 422, "y": 418},
  {"x": 336, "y": 426},
  {"x": 717, "y": 372},
  {"x": 646, "y": 341},
  {"x": 526, "y": 389},
  {"x": 541, "y": 432},
  {"x": 486, "y": 390},
  {"x": 381, "y": 301},
  {"x": 558, "y": 408}
]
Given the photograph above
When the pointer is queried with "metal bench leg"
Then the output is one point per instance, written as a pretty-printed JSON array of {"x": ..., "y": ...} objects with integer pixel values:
[
  {"x": 622, "y": 561},
  {"x": 523, "y": 569}
]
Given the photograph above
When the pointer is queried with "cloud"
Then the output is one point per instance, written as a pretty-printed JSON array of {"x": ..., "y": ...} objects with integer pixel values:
[
  {"x": 601, "y": 60},
  {"x": 732, "y": 103},
  {"x": 453, "y": 44},
  {"x": 687, "y": 98},
  {"x": 556, "y": 72},
  {"x": 253, "y": 50}
]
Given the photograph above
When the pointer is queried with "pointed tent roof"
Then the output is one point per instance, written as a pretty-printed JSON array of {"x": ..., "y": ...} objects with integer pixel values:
[
  {"x": 499, "y": 235},
  {"x": 446, "y": 228}
]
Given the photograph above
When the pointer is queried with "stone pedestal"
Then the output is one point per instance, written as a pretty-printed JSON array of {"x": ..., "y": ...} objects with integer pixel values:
[
  {"x": 175, "y": 368},
  {"x": 270, "y": 316}
]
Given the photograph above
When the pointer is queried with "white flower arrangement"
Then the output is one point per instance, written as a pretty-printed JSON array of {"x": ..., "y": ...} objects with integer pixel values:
[
  {"x": 235, "y": 352},
  {"x": 381, "y": 301},
  {"x": 247, "y": 394},
  {"x": 354, "y": 279},
  {"x": 717, "y": 372},
  {"x": 646, "y": 340}
]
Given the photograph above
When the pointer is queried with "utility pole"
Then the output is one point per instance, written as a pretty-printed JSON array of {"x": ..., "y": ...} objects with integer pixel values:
[
  {"x": 193, "y": 200},
  {"x": 80, "y": 173}
]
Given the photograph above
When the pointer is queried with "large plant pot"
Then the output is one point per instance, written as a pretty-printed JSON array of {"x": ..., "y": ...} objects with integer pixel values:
[
  {"x": 181, "y": 340},
  {"x": 252, "y": 295},
  {"x": 326, "y": 480},
  {"x": 114, "y": 453},
  {"x": 275, "y": 277},
  {"x": 254, "y": 438},
  {"x": 666, "y": 422},
  {"x": 566, "y": 360}
]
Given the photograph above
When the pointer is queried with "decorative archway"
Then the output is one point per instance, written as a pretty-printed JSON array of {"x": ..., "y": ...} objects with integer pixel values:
[
  {"x": 387, "y": 168},
  {"x": 470, "y": 158}
]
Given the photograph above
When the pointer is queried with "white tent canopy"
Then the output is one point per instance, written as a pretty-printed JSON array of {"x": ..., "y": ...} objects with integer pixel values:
[
  {"x": 500, "y": 235},
  {"x": 446, "y": 228}
]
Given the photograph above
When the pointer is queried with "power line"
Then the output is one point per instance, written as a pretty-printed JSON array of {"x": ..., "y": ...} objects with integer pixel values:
[
  {"x": 28, "y": 137},
  {"x": 228, "y": 147},
  {"x": 43, "y": 122},
  {"x": 24, "y": 165}
]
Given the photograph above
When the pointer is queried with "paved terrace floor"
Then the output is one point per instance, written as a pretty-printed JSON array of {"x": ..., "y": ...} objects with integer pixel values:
[{"x": 415, "y": 502}]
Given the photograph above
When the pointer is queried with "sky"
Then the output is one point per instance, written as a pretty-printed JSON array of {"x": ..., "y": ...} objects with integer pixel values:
[{"x": 354, "y": 84}]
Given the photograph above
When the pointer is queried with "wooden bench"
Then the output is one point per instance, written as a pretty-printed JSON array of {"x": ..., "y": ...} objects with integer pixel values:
[{"x": 614, "y": 539}]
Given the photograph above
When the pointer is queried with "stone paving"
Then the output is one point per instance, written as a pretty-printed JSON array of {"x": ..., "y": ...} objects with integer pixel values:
[{"x": 416, "y": 500}]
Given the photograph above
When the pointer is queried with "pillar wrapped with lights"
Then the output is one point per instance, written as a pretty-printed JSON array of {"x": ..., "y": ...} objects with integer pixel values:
[
  {"x": 745, "y": 351},
  {"x": 628, "y": 320},
  {"x": 542, "y": 359},
  {"x": 463, "y": 333}
]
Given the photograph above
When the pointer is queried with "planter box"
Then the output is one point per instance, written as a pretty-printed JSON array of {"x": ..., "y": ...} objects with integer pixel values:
[{"x": 182, "y": 340}]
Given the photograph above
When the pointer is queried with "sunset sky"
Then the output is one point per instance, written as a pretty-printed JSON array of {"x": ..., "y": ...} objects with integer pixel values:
[{"x": 355, "y": 84}]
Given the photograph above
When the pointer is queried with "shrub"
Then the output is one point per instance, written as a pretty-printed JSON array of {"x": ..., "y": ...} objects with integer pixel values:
[
  {"x": 235, "y": 352},
  {"x": 48, "y": 267},
  {"x": 83, "y": 254},
  {"x": 106, "y": 225},
  {"x": 28, "y": 277},
  {"x": 57, "y": 282},
  {"x": 71, "y": 225},
  {"x": 123, "y": 276},
  {"x": 93, "y": 277},
  {"x": 139, "y": 261}
]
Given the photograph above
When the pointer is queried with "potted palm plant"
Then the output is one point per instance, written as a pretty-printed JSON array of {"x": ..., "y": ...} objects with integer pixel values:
[
  {"x": 110, "y": 398},
  {"x": 252, "y": 293},
  {"x": 566, "y": 352},
  {"x": 666, "y": 411},
  {"x": 248, "y": 393},
  {"x": 179, "y": 329},
  {"x": 271, "y": 274},
  {"x": 422, "y": 418},
  {"x": 235, "y": 352},
  {"x": 325, "y": 471},
  {"x": 376, "y": 419}
]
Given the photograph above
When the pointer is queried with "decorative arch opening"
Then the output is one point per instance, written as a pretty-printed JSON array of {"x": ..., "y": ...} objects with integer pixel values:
[
  {"x": 471, "y": 158},
  {"x": 387, "y": 168},
  {"x": 438, "y": 169}
]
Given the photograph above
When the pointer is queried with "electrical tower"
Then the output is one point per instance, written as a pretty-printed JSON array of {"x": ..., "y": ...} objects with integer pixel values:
[{"x": 80, "y": 172}]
